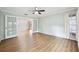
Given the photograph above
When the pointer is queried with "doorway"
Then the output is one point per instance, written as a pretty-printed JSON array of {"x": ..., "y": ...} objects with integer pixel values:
[
  {"x": 10, "y": 26},
  {"x": 72, "y": 26}
]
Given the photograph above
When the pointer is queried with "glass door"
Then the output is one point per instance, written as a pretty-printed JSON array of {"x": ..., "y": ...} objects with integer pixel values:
[
  {"x": 10, "y": 26},
  {"x": 72, "y": 26}
]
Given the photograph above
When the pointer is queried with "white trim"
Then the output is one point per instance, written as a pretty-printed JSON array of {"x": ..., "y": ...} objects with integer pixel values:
[
  {"x": 52, "y": 35},
  {"x": 11, "y": 36},
  {"x": 35, "y": 31},
  {"x": 56, "y": 36},
  {"x": 2, "y": 39},
  {"x": 78, "y": 27},
  {"x": 66, "y": 25}
]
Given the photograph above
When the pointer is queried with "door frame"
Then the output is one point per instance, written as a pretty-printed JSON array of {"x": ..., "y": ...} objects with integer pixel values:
[{"x": 67, "y": 26}]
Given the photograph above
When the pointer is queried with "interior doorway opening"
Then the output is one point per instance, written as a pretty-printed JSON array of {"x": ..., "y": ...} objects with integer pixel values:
[{"x": 72, "y": 26}]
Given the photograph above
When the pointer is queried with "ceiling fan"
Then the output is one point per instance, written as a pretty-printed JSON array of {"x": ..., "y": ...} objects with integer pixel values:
[{"x": 37, "y": 11}]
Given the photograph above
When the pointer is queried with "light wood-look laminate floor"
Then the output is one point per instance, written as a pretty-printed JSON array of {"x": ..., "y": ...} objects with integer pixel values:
[
  {"x": 43, "y": 42},
  {"x": 39, "y": 43}
]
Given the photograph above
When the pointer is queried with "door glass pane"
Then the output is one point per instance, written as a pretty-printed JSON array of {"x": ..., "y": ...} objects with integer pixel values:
[{"x": 11, "y": 26}]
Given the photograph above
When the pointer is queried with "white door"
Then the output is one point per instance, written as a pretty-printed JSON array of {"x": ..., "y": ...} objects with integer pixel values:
[{"x": 10, "y": 26}]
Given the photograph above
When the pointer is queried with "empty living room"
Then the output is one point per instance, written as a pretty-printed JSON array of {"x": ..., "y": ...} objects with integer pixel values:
[{"x": 39, "y": 29}]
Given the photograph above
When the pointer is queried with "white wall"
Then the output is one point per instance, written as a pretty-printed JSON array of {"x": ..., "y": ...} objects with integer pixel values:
[
  {"x": 78, "y": 27},
  {"x": 52, "y": 25},
  {"x": 35, "y": 25},
  {"x": 2, "y": 26}
]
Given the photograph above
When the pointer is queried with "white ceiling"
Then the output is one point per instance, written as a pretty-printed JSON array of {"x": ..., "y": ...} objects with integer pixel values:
[{"x": 28, "y": 10}]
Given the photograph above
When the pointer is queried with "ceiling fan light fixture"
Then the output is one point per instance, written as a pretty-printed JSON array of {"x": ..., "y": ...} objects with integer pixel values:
[
  {"x": 36, "y": 8},
  {"x": 36, "y": 12}
]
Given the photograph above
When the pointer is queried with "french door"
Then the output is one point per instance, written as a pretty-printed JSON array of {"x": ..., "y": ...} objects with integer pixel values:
[{"x": 10, "y": 26}]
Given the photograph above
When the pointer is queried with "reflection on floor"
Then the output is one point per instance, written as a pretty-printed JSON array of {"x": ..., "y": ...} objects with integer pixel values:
[{"x": 40, "y": 42}]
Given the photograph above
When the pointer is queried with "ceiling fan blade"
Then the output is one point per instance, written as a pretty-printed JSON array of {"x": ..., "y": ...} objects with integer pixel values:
[
  {"x": 33, "y": 13},
  {"x": 41, "y": 10},
  {"x": 39, "y": 13}
]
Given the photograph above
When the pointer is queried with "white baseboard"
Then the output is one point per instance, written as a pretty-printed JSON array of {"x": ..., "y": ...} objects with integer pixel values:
[
  {"x": 52, "y": 35},
  {"x": 7, "y": 38},
  {"x": 1, "y": 39},
  {"x": 35, "y": 31},
  {"x": 57, "y": 36},
  {"x": 10, "y": 37}
]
